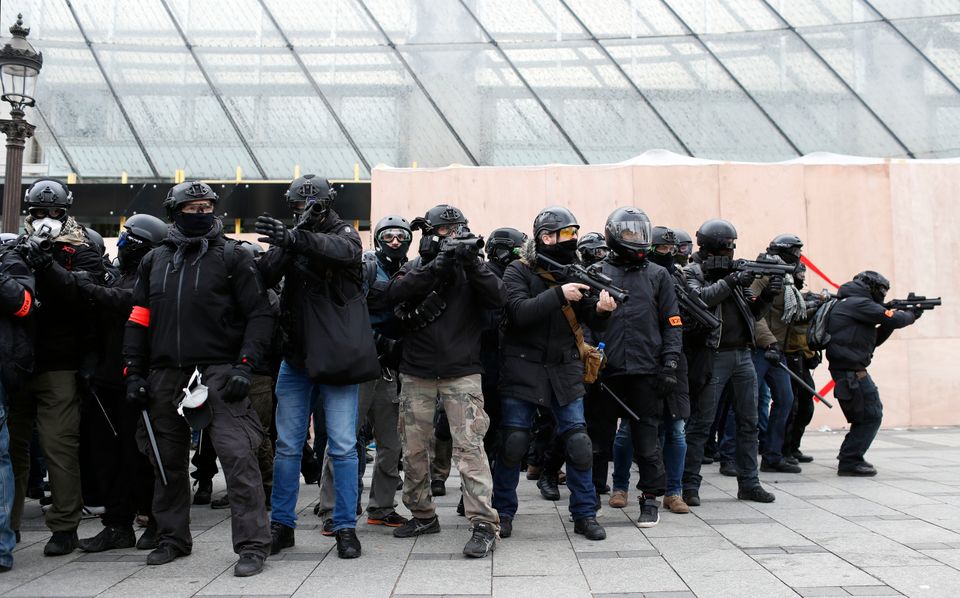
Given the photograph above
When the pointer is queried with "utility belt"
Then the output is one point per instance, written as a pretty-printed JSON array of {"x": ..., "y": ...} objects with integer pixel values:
[{"x": 423, "y": 314}]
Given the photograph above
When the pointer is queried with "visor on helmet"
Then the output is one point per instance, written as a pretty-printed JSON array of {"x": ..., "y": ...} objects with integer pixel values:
[{"x": 631, "y": 233}]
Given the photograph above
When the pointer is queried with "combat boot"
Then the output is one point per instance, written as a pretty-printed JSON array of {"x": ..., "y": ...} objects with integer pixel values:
[{"x": 482, "y": 542}]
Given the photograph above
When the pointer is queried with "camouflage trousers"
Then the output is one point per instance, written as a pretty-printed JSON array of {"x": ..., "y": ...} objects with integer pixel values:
[{"x": 463, "y": 402}]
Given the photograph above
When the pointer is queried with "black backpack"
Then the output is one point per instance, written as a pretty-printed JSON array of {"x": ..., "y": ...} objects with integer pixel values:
[{"x": 817, "y": 336}]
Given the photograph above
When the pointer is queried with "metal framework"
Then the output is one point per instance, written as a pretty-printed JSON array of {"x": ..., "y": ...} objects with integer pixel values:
[{"x": 367, "y": 111}]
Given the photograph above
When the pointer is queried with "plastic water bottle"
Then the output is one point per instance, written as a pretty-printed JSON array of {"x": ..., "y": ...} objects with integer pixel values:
[{"x": 600, "y": 348}]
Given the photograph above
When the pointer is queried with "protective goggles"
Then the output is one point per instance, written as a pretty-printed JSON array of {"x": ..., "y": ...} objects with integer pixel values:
[
  {"x": 446, "y": 230},
  {"x": 126, "y": 238},
  {"x": 389, "y": 235},
  {"x": 38, "y": 213},
  {"x": 685, "y": 248},
  {"x": 665, "y": 249},
  {"x": 568, "y": 233}
]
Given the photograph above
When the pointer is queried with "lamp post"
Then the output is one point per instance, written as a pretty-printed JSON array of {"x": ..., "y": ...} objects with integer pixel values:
[{"x": 20, "y": 64}]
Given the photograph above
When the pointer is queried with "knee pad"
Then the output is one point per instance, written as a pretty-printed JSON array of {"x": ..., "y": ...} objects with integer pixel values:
[
  {"x": 579, "y": 449},
  {"x": 513, "y": 446}
]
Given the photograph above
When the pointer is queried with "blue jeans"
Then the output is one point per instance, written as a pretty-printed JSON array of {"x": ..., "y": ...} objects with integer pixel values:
[
  {"x": 781, "y": 389},
  {"x": 7, "y": 538},
  {"x": 764, "y": 399},
  {"x": 296, "y": 396},
  {"x": 622, "y": 456},
  {"x": 519, "y": 415},
  {"x": 673, "y": 441}
]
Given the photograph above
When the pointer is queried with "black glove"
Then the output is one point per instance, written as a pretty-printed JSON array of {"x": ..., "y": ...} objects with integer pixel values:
[
  {"x": 774, "y": 287},
  {"x": 274, "y": 232},
  {"x": 444, "y": 263},
  {"x": 811, "y": 363},
  {"x": 84, "y": 280},
  {"x": 667, "y": 378},
  {"x": 739, "y": 278},
  {"x": 137, "y": 393},
  {"x": 237, "y": 386},
  {"x": 37, "y": 258},
  {"x": 772, "y": 354}
]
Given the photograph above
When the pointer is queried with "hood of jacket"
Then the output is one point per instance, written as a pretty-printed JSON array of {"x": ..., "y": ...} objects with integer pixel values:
[{"x": 854, "y": 288}]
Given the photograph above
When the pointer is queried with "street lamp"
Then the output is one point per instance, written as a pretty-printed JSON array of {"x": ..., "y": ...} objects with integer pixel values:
[{"x": 20, "y": 63}]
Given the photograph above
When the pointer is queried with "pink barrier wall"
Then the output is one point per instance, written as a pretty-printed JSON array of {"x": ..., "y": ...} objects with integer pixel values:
[{"x": 899, "y": 218}]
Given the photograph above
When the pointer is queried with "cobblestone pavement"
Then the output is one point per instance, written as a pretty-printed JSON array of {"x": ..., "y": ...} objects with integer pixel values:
[{"x": 895, "y": 534}]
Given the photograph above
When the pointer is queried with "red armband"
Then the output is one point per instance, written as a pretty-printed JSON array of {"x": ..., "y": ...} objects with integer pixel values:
[
  {"x": 140, "y": 315},
  {"x": 25, "y": 308}
]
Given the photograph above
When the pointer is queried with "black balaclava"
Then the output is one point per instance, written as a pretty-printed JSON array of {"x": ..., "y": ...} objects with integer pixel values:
[
  {"x": 564, "y": 252},
  {"x": 194, "y": 225}
]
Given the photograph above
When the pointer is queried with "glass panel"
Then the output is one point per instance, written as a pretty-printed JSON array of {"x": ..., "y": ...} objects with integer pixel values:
[
  {"x": 225, "y": 23},
  {"x": 78, "y": 105},
  {"x": 50, "y": 154},
  {"x": 904, "y": 9},
  {"x": 939, "y": 40},
  {"x": 175, "y": 113},
  {"x": 340, "y": 23},
  {"x": 279, "y": 114},
  {"x": 522, "y": 20},
  {"x": 801, "y": 94},
  {"x": 626, "y": 18},
  {"x": 593, "y": 102},
  {"x": 725, "y": 16},
  {"x": 702, "y": 104},
  {"x": 808, "y": 13},
  {"x": 112, "y": 21},
  {"x": 425, "y": 21},
  {"x": 923, "y": 110},
  {"x": 387, "y": 115},
  {"x": 494, "y": 114},
  {"x": 47, "y": 20}
]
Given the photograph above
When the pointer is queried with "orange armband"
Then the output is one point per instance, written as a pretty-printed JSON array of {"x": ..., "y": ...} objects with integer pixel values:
[
  {"x": 25, "y": 307},
  {"x": 675, "y": 321},
  {"x": 140, "y": 315}
]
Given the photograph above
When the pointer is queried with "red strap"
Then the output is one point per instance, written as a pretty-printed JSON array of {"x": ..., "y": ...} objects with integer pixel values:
[
  {"x": 827, "y": 389},
  {"x": 140, "y": 315},
  {"x": 818, "y": 271},
  {"x": 25, "y": 308}
]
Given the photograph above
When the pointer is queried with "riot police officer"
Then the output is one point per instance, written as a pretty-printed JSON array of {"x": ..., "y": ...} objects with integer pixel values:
[{"x": 592, "y": 248}]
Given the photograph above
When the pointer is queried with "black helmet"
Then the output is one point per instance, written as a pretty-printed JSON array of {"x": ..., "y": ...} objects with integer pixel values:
[
  {"x": 661, "y": 235},
  {"x": 876, "y": 282},
  {"x": 552, "y": 219},
  {"x": 684, "y": 246},
  {"x": 716, "y": 235},
  {"x": 396, "y": 227},
  {"x": 442, "y": 215},
  {"x": 48, "y": 193},
  {"x": 310, "y": 189},
  {"x": 628, "y": 232},
  {"x": 504, "y": 245},
  {"x": 592, "y": 248},
  {"x": 787, "y": 247},
  {"x": 96, "y": 239},
  {"x": 149, "y": 228},
  {"x": 185, "y": 193}
]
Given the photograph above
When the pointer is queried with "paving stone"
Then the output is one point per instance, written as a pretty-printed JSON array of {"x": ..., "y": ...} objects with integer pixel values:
[
  {"x": 821, "y": 591},
  {"x": 798, "y": 569},
  {"x": 937, "y": 581},
  {"x": 277, "y": 577},
  {"x": 762, "y": 534},
  {"x": 723, "y": 584},
  {"x": 464, "y": 576},
  {"x": 561, "y": 586},
  {"x": 533, "y": 557},
  {"x": 871, "y": 591},
  {"x": 912, "y": 532},
  {"x": 631, "y": 575},
  {"x": 76, "y": 579}
]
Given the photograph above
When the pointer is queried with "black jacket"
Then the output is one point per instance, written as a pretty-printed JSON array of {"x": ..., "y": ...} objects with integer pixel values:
[
  {"x": 199, "y": 314},
  {"x": 858, "y": 325},
  {"x": 539, "y": 357},
  {"x": 113, "y": 303},
  {"x": 328, "y": 256},
  {"x": 449, "y": 347},
  {"x": 65, "y": 322},
  {"x": 715, "y": 293},
  {"x": 646, "y": 331},
  {"x": 17, "y": 302}
]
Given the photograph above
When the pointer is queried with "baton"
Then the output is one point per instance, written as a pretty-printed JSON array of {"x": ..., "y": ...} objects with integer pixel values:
[
  {"x": 804, "y": 384},
  {"x": 93, "y": 394},
  {"x": 617, "y": 399},
  {"x": 153, "y": 445}
]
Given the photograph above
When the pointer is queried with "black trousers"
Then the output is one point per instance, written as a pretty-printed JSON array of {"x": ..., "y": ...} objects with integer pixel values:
[
  {"x": 235, "y": 433},
  {"x": 124, "y": 475},
  {"x": 602, "y": 411},
  {"x": 802, "y": 412}
]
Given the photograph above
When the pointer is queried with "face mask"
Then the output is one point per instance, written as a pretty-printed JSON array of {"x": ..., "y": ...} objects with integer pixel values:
[
  {"x": 130, "y": 255},
  {"x": 394, "y": 257},
  {"x": 54, "y": 225},
  {"x": 661, "y": 259},
  {"x": 194, "y": 225},
  {"x": 564, "y": 252}
]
